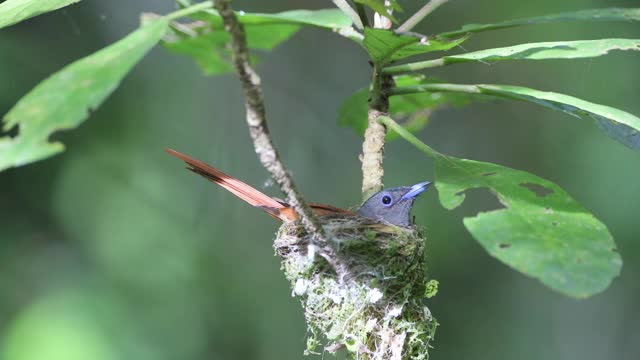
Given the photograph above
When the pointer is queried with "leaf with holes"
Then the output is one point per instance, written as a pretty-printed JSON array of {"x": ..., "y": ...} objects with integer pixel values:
[
  {"x": 606, "y": 14},
  {"x": 63, "y": 100},
  {"x": 385, "y": 46},
  {"x": 15, "y": 11},
  {"x": 541, "y": 232}
]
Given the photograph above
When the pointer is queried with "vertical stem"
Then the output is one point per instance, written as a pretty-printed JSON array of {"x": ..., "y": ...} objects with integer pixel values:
[
  {"x": 374, "y": 137},
  {"x": 362, "y": 14}
]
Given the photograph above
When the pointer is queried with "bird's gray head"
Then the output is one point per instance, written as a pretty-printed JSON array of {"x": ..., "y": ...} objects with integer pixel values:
[{"x": 393, "y": 205}]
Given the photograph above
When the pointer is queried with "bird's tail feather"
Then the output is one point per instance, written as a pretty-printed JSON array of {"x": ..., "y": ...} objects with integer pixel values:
[{"x": 233, "y": 185}]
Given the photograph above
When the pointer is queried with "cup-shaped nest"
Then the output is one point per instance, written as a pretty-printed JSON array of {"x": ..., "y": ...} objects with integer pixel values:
[{"x": 364, "y": 290}]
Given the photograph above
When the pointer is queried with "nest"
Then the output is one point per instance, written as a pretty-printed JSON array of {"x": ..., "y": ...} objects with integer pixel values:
[{"x": 364, "y": 290}]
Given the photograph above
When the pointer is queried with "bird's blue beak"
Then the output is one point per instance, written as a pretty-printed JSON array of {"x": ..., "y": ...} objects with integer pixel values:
[{"x": 416, "y": 190}]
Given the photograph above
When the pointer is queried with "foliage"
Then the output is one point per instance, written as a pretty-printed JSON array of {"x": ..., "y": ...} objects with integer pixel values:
[
  {"x": 204, "y": 41},
  {"x": 542, "y": 231},
  {"x": 15, "y": 11},
  {"x": 64, "y": 100}
]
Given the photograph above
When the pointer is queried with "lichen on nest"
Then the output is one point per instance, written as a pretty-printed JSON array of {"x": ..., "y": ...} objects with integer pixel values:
[{"x": 364, "y": 290}]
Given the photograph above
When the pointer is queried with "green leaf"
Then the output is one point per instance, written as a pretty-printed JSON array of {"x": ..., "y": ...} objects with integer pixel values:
[
  {"x": 530, "y": 51},
  {"x": 385, "y": 46},
  {"x": 412, "y": 110},
  {"x": 617, "y": 124},
  {"x": 353, "y": 111},
  {"x": 605, "y": 14},
  {"x": 63, "y": 100},
  {"x": 15, "y": 11},
  {"x": 541, "y": 231},
  {"x": 206, "y": 41},
  {"x": 207, "y": 50},
  {"x": 381, "y": 8},
  {"x": 548, "y": 50},
  {"x": 323, "y": 18}
]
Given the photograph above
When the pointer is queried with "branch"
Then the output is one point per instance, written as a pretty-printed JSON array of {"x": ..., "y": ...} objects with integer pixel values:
[
  {"x": 347, "y": 9},
  {"x": 374, "y": 137},
  {"x": 362, "y": 14},
  {"x": 427, "y": 9},
  {"x": 256, "y": 119},
  {"x": 409, "y": 137}
]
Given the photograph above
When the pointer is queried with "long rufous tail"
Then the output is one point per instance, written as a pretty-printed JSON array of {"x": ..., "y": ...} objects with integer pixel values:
[{"x": 245, "y": 192}]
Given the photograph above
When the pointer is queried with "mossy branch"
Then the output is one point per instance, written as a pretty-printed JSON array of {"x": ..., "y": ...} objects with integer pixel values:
[
  {"x": 375, "y": 134},
  {"x": 257, "y": 121}
]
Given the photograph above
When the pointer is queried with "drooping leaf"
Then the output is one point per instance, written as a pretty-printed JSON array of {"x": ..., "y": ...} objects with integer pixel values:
[
  {"x": 15, "y": 11},
  {"x": 385, "y": 46},
  {"x": 541, "y": 231},
  {"x": 412, "y": 111},
  {"x": 382, "y": 8},
  {"x": 531, "y": 51},
  {"x": 63, "y": 100},
  {"x": 617, "y": 124},
  {"x": 206, "y": 41},
  {"x": 605, "y": 14}
]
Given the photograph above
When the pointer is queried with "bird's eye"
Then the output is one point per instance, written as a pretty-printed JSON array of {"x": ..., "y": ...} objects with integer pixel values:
[{"x": 386, "y": 199}]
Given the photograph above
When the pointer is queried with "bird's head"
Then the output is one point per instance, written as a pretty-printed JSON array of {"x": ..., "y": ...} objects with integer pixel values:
[{"x": 393, "y": 205}]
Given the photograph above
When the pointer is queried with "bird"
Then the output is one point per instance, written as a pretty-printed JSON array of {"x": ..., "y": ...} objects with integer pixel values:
[{"x": 392, "y": 205}]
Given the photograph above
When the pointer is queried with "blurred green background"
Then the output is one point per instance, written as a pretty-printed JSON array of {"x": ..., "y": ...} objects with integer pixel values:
[{"x": 113, "y": 251}]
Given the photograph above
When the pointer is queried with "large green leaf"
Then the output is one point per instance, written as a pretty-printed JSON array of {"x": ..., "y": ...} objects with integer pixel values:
[
  {"x": 206, "y": 41},
  {"x": 531, "y": 51},
  {"x": 617, "y": 124},
  {"x": 541, "y": 231},
  {"x": 64, "y": 100},
  {"x": 385, "y": 46},
  {"x": 412, "y": 111},
  {"x": 14, "y": 11},
  {"x": 605, "y": 14}
]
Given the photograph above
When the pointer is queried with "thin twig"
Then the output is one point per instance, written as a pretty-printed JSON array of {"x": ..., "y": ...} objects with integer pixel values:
[
  {"x": 412, "y": 67},
  {"x": 189, "y": 10},
  {"x": 347, "y": 9},
  {"x": 256, "y": 119},
  {"x": 427, "y": 9},
  {"x": 409, "y": 137},
  {"x": 437, "y": 87}
]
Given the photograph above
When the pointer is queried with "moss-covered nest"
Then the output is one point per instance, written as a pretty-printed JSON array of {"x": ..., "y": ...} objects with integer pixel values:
[{"x": 364, "y": 290}]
